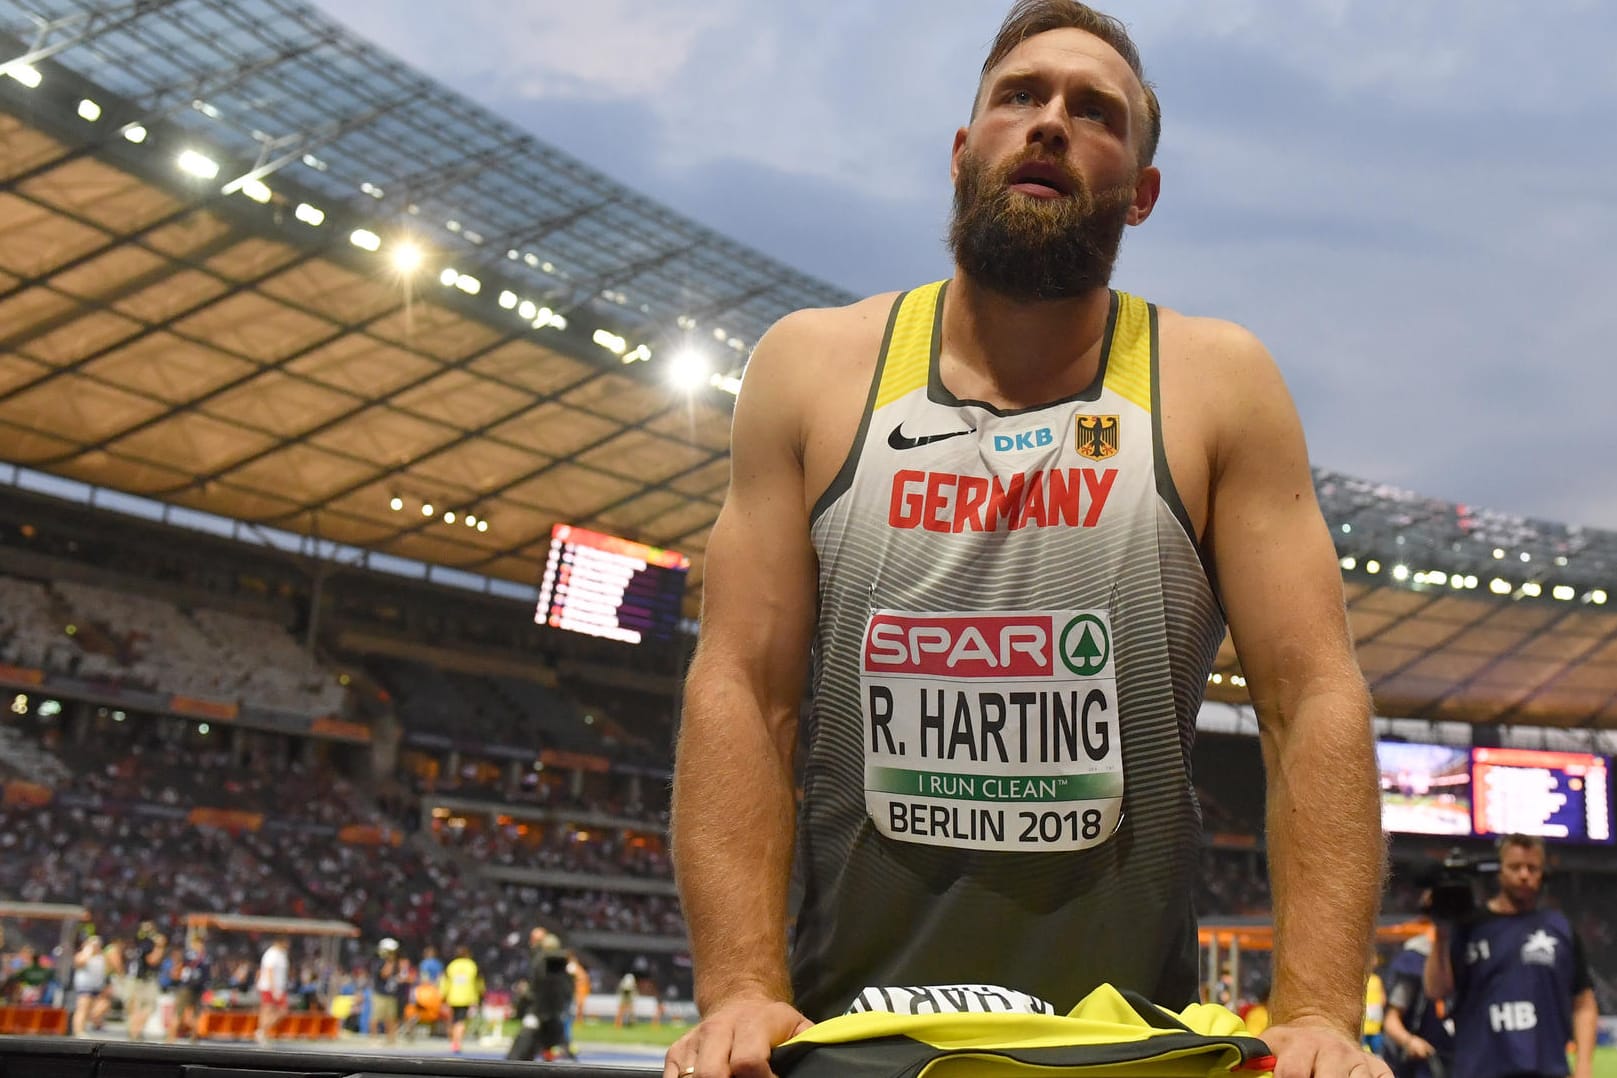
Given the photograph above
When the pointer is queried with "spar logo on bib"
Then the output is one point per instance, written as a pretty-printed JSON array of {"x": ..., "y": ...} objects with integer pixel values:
[
  {"x": 1085, "y": 645},
  {"x": 987, "y": 645}
]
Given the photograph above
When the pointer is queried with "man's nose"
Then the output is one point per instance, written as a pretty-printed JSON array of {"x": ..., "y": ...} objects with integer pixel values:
[{"x": 1050, "y": 127}]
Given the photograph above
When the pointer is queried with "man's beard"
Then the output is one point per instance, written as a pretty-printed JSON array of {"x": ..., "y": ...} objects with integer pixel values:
[{"x": 1028, "y": 248}]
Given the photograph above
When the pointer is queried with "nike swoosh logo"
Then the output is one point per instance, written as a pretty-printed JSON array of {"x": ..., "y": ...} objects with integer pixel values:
[{"x": 897, "y": 440}]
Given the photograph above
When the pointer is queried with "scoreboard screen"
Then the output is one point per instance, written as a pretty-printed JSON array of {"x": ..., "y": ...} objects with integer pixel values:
[
  {"x": 615, "y": 588},
  {"x": 1556, "y": 795},
  {"x": 1425, "y": 789}
]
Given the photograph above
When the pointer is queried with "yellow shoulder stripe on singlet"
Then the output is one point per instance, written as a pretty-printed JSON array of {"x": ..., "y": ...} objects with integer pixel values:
[
  {"x": 1128, "y": 367},
  {"x": 908, "y": 359},
  {"x": 909, "y": 350}
]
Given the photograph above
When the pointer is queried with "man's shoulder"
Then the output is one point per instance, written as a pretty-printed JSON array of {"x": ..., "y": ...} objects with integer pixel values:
[
  {"x": 1203, "y": 340},
  {"x": 828, "y": 329}
]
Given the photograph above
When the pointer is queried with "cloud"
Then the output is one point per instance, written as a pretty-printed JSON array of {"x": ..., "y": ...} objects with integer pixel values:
[{"x": 1413, "y": 204}]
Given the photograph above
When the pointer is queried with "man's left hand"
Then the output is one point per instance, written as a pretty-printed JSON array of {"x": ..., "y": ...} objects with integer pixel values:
[{"x": 1310, "y": 1049}]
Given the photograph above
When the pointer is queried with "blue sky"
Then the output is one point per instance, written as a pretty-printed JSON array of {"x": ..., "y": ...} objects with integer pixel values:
[{"x": 1413, "y": 203}]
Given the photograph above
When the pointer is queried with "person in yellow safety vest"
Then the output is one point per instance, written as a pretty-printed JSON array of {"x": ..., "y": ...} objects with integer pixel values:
[
  {"x": 462, "y": 988},
  {"x": 1375, "y": 1006}
]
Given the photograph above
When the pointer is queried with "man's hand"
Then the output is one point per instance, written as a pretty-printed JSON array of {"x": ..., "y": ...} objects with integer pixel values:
[
  {"x": 1305, "y": 1049},
  {"x": 1419, "y": 1048},
  {"x": 735, "y": 1040}
]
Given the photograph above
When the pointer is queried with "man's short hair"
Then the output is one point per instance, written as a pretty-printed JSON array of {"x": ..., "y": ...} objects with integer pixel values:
[
  {"x": 1520, "y": 841},
  {"x": 1029, "y": 17}
]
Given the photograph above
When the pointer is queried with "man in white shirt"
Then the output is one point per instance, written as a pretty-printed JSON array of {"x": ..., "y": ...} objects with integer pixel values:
[{"x": 272, "y": 984}]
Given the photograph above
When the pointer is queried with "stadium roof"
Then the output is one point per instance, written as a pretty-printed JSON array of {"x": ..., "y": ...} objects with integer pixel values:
[
  {"x": 203, "y": 209},
  {"x": 165, "y": 332}
]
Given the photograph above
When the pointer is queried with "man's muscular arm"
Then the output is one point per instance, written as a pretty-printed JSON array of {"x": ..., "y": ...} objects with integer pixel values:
[
  {"x": 1282, "y": 590},
  {"x": 733, "y": 803}
]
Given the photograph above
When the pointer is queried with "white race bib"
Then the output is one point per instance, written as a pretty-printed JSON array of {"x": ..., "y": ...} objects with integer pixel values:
[{"x": 992, "y": 731}]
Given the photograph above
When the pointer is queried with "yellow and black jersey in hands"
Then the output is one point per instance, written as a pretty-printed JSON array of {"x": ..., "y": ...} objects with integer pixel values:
[{"x": 1111, "y": 1033}]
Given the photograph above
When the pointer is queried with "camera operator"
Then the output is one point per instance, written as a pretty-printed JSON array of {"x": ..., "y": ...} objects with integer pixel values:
[{"x": 1518, "y": 976}]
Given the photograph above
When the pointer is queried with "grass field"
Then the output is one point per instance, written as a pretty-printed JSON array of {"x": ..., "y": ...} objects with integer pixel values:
[{"x": 1606, "y": 1063}]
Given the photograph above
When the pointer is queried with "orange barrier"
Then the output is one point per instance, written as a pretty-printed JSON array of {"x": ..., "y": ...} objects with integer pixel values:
[
  {"x": 306, "y": 1026},
  {"x": 228, "y": 1025},
  {"x": 33, "y": 1020}
]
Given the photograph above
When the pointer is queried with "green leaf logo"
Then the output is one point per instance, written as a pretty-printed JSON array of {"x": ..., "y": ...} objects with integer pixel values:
[{"x": 1086, "y": 645}]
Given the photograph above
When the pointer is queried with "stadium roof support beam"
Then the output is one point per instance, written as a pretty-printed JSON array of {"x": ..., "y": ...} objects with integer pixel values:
[
  {"x": 331, "y": 423},
  {"x": 531, "y": 474},
  {"x": 94, "y": 24},
  {"x": 728, "y": 303},
  {"x": 164, "y": 324},
  {"x": 460, "y": 439},
  {"x": 304, "y": 143},
  {"x": 589, "y": 288},
  {"x": 1567, "y": 662},
  {"x": 1433, "y": 710},
  {"x": 541, "y": 228},
  {"x": 639, "y": 492},
  {"x": 123, "y": 289},
  {"x": 428, "y": 183}
]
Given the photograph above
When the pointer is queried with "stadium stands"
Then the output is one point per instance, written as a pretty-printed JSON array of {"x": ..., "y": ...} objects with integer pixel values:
[{"x": 1379, "y": 520}]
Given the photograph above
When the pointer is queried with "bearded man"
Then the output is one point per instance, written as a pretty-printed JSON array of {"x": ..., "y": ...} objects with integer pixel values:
[{"x": 1009, "y": 515}]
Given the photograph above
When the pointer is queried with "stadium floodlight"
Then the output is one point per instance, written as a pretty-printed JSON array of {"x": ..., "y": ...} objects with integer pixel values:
[
  {"x": 726, "y": 383},
  {"x": 365, "y": 239},
  {"x": 610, "y": 341},
  {"x": 204, "y": 729},
  {"x": 1347, "y": 529},
  {"x": 482, "y": 525},
  {"x": 640, "y": 354},
  {"x": 1372, "y": 567},
  {"x": 1560, "y": 560},
  {"x": 508, "y": 299},
  {"x": 449, "y": 516},
  {"x": 198, "y": 164},
  {"x": 1456, "y": 581},
  {"x": 1350, "y": 562},
  {"x": 1598, "y": 597},
  {"x": 468, "y": 284},
  {"x": 27, "y": 74},
  {"x": 313, "y": 216},
  {"x": 89, "y": 111},
  {"x": 527, "y": 310},
  {"x": 1498, "y": 555},
  {"x": 449, "y": 276},
  {"x": 1470, "y": 581},
  {"x": 395, "y": 503},
  {"x": 1500, "y": 587},
  {"x": 1532, "y": 589},
  {"x": 1400, "y": 572},
  {"x": 135, "y": 133},
  {"x": 719, "y": 334},
  {"x": 688, "y": 369},
  {"x": 1437, "y": 576},
  {"x": 1218, "y": 679},
  {"x": 426, "y": 509},
  {"x": 471, "y": 520},
  {"x": 1563, "y": 592},
  {"x": 1526, "y": 556},
  {"x": 405, "y": 256},
  {"x": 256, "y": 190}
]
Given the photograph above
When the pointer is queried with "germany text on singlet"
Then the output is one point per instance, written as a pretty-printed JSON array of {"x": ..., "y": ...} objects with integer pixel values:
[{"x": 1015, "y": 631}]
